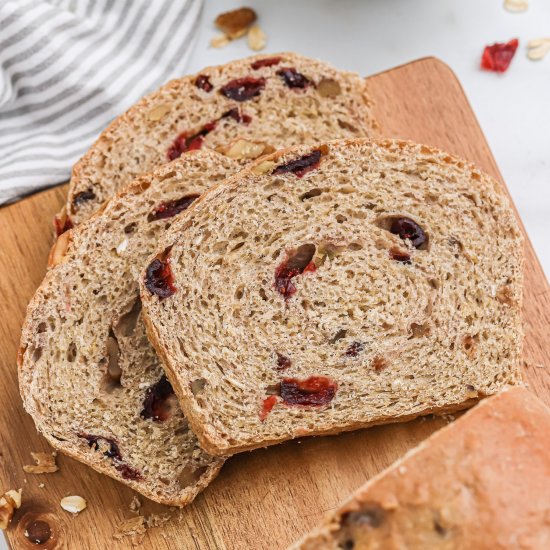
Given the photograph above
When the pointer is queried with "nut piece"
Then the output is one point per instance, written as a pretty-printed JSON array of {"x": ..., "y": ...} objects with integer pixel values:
[
  {"x": 59, "y": 249},
  {"x": 538, "y": 48},
  {"x": 158, "y": 112},
  {"x": 516, "y": 5},
  {"x": 220, "y": 41},
  {"x": 121, "y": 248},
  {"x": 263, "y": 167},
  {"x": 234, "y": 23},
  {"x": 73, "y": 504},
  {"x": 242, "y": 149},
  {"x": 45, "y": 464},
  {"x": 257, "y": 38},
  {"x": 9, "y": 502},
  {"x": 328, "y": 87}
]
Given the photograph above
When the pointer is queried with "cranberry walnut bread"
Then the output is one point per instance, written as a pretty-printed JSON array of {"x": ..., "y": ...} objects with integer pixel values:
[
  {"x": 329, "y": 288},
  {"x": 243, "y": 109},
  {"x": 88, "y": 375},
  {"x": 482, "y": 482}
]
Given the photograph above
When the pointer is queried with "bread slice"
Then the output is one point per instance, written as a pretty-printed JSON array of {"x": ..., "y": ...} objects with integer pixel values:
[
  {"x": 88, "y": 375},
  {"x": 333, "y": 287},
  {"x": 243, "y": 109},
  {"x": 482, "y": 482}
]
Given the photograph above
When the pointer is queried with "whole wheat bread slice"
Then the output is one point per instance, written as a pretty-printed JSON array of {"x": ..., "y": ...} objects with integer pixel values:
[
  {"x": 243, "y": 109},
  {"x": 482, "y": 482},
  {"x": 334, "y": 287},
  {"x": 88, "y": 375}
]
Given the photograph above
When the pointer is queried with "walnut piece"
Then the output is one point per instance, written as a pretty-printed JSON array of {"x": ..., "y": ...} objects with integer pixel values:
[
  {"x": 257, "y": 38},
  {"x": 247, "y": 150},
  {"x": 59, "y": 249},
  {"x": 158, "y": 112},
  {"x": 45, "y": 464},
  {"x": 328, "y": 87},
  {"x": 235, "y": 23},
  {"x": 9, "y": 502},
  {"x": 73, "y": 504},
  {"x": 263, "y": 167}
]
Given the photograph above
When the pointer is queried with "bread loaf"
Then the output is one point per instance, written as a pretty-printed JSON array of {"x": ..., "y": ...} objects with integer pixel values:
[
  {"x": 88, "y": 375},
  {"x": 243, "y": 109},
  {"x": 333, "y": 287},
  {"x": 482, "y": 482}
]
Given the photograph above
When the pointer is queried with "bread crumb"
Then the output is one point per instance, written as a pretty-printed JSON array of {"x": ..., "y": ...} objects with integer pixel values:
[
  {"x": 45, "y": 464},
  {"x": 156, "y": 520},
  {"x": 135, "y": 505},
  {"x": 136, "y": 527},
  {"x": 42, "y": 485},
  {"x": 133, "y": 527}
]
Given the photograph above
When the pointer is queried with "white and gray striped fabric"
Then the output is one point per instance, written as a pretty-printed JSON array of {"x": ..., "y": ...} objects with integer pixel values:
[{"x": 68, "y": 67}]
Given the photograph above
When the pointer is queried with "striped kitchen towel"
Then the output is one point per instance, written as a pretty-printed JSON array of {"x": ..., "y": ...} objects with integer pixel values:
[{"x": 68, "y": 67}]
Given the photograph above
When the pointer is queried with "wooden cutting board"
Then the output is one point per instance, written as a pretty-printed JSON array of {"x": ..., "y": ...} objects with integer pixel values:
[{"x": 268, "y": 498}]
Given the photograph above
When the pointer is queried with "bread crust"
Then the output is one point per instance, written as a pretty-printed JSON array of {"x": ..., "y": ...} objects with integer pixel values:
[
  {"x": 487, "y": 487},
  {"x": 209, "y": 436}
]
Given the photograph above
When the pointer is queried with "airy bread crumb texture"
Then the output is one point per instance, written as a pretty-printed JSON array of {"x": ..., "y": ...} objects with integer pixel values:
[
  {"x": 88, "y": 374},
  {"x": 194, "y": 108},
  {"x": 284, "y": 273}
]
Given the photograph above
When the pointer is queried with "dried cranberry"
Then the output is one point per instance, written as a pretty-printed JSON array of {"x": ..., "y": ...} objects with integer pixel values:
[
  {"x": 499, "y": 56},
  {"x": 243, "y": 89},
  {"x": 129, "y": 472},
  {"x": 203, "y": 83},
  {"x": 296, "y": 263},
  {"x": 61, "y": 225},
  {"x": 301, "y": 166},
  {"x": 354, "y": 349},
  {"x": 172, "y": 208},
  {"x": 283, "y": 362},
  {"x": 237, "y": 115},
  {"x": 408, "y": 229},
  {"x": 184, "y": 142},
  {"x": 155, "y": 404},
  {"x": 400, "y": 256},
  {"x": 267, "y": 62},
  {"x": 83, "y": 196},
  {"x": 93, "y": 441},
  {"x": 314, "y": 391},
  {"x": 292, "y": 78},
  {"x": 267, "y": 405},
  {"x": 159, "y": 279}
]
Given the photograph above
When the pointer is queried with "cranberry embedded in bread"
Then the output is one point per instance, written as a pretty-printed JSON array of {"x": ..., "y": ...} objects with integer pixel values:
[{"x": 382, "y": 272}]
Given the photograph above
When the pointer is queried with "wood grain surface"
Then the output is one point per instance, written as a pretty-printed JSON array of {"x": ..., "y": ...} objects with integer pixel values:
[{"x": 268, "y": 498}]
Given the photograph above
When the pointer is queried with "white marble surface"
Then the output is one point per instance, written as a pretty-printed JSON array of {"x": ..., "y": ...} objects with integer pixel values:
[{"x": 370, "y": 36}]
